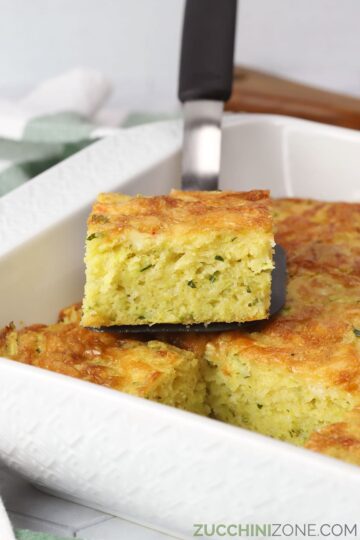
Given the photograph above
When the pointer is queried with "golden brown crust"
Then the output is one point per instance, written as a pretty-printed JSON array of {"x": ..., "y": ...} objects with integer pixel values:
[
  {"x": 321, "y": 351},
  {"x": 320, "y": 237},
  {"x": 101, "y": 358},
  {"x": 180, "y": 213},
  {"x": 71, "y": 314},
  {"x": 341, "y": 440},
  {"x": 196, "y": 343}
]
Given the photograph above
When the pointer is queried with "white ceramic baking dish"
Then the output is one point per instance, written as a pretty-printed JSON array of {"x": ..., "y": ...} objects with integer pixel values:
[{"x": 144, "y": 461}]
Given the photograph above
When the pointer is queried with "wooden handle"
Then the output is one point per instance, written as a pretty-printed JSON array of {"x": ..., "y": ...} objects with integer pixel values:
[{"x": 256, "y": 91}]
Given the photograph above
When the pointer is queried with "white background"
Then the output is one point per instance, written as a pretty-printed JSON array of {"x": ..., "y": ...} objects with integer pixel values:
[{"x": 136, "y": 43}]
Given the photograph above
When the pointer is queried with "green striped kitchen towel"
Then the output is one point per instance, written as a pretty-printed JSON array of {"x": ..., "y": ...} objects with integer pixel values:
[
  {"x": 58, "y": 118},
  {"x": 30, "y": 535}
]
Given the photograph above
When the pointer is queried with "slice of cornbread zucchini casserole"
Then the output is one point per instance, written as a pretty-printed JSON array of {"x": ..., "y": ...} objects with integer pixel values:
[
  {"x": 295, "y": 377},
  {"x": 153, "y": 370},
  {"x": 189, "y": 257}
]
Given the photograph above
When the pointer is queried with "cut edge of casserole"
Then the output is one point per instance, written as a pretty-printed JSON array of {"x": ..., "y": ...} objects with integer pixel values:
[{"x": 175, "y": 259}]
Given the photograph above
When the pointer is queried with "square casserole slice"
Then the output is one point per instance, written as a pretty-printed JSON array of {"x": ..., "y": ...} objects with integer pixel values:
[{"x": 188, "y": 257}]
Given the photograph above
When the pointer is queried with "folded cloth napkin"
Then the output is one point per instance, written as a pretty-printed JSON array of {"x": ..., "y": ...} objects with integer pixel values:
[
  {"x": 60, "y": 117},
  {"x": 52, "y": 122}
]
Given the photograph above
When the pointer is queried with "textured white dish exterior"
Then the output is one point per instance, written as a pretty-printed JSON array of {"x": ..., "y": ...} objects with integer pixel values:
[{"x": 133, "y": 458}]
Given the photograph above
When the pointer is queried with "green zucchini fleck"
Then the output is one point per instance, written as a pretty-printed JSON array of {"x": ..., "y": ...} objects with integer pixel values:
[
  {"x": 191, "y": 284},
  {"x": 356, "y": 332},
  {"x": 91, "y": 237},
  {"x": 214, "y": 276},
  {"x": 146, "y": 267},
  {"x": 219, "y": 258}
]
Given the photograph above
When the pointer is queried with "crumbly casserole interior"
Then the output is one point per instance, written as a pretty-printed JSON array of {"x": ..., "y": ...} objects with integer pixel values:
[{"x": 185, "y": 258}]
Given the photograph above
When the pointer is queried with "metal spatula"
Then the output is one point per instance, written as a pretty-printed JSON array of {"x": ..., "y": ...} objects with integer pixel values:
[
  {"x": 205, "y": 82},
  {"x": 206, "y": 71}
]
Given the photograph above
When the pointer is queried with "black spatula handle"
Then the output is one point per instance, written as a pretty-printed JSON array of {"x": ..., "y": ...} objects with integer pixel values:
[{"x": 206, "y": 63}]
